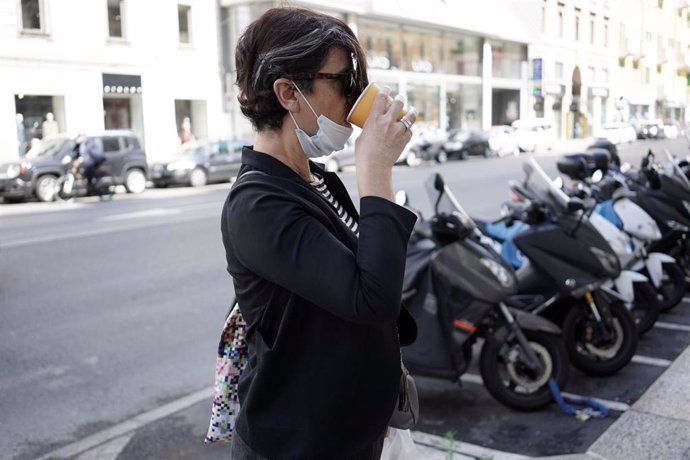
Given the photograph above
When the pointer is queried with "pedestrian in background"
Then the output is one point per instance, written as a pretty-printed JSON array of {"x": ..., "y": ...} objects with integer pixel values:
[{"x": 318, "y": 284}]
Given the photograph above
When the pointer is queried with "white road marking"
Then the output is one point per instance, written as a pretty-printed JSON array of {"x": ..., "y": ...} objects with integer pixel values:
[
  {"x": 39, "y": 208},
  {"x": 613, "y": 405},
  {"x": 129, "y": 426},
  {"x": 154, "y": 212},
  {"x": 658, "y": 362},
  {"x": 108, "y": 451},
  {"x": 672, "y": 326},
  {"x": 179, "y": 216}
]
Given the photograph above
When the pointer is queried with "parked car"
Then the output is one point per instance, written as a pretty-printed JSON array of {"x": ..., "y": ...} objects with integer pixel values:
[
  {"x": 503, "y": 141},
  {"x": 650, "y": 129},
  {"x": 426, "y": 145},
  {"x": 671, "y": 130},
  {"x": 336, "y": 161},
  {"x": 38, "y": 173},
  {"x": 534, "y": 134},
  {"x": 199, "y": 163},
  {"x": 616, "y": 133},
  {"x": 462, "y": 143}
]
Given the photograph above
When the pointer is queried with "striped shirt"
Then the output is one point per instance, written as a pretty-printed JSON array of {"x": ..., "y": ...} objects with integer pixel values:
[{"x": 320, "y": 186}]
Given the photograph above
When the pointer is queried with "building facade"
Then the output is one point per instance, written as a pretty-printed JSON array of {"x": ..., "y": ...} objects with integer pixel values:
[
  {"x": 89, "y": 65},
  {"x": 461, "y": 68},
  {"x": 612, "y": 60}
]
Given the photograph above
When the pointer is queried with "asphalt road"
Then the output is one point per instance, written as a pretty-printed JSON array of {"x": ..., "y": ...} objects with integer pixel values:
[{"x": 111, "y": 309}]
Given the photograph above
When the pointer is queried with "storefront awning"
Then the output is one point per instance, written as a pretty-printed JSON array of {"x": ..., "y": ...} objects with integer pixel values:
[{"x": 121, "y": 84}]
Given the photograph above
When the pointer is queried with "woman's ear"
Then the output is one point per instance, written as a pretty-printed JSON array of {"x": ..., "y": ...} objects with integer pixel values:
[{"x": 284, "y": 90}]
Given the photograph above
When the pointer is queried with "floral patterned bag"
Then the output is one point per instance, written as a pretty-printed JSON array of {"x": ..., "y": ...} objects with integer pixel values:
[{"x": 231, "y": 361}]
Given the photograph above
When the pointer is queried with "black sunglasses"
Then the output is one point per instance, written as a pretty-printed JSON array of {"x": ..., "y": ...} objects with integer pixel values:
[{"x": 348, "y": 81}]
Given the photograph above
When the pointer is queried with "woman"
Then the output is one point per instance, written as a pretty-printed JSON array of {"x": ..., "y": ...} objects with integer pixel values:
[{"x": 318, "y": 285}]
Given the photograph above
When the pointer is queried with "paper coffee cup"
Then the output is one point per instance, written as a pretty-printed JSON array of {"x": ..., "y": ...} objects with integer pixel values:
[{"x": 362, "y": 107}]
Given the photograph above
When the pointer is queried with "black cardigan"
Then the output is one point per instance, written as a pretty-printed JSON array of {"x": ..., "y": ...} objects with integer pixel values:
[{"x": 321, "y": 309}]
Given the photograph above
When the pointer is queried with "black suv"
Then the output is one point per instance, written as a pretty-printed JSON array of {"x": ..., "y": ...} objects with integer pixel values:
[{"x": 38, "y": 172}]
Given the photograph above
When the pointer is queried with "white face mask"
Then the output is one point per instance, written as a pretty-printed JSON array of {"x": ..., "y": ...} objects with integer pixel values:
[{"x": 330, "y": 136}]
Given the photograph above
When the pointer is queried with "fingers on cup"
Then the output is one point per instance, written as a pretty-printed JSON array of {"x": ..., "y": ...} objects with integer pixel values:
[{"x": 379, "y": 105}]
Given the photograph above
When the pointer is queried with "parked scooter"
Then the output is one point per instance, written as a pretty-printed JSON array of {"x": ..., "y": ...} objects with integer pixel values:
[
  {"x": 568, "y": 263},
  {"x": 609, "y": 188},
  {"x": 454, "y": 287},
  {"x": 662, "y": 193},
  {"x": 631, "y": 288}
]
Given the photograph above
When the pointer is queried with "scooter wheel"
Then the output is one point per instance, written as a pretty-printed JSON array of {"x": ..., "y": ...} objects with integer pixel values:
[
  {"x": 509, "y": 379},
  {"x": 672, "y": 288},
  {"x": 591, "y": 351},
  {"x": 646, "y": 306}
]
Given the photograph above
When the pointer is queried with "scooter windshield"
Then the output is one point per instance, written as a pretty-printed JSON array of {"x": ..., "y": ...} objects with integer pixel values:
[
  {"x": 444, "y": 202},
  {"x": 543, "y": 187},
  {"x": 676, "y": 172}
]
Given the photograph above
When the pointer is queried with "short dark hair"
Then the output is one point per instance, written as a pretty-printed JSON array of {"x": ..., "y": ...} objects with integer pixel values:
[{"x": 284, "y": 42}]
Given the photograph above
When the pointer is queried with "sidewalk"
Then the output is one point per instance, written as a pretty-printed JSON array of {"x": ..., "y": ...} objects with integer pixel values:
[{"x": 657, "y": 426}]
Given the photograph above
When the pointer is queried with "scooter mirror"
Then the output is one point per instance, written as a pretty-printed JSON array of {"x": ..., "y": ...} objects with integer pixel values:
[
  {"x": 575, "y": 204},
  {"x": 401, "y": 198},
  {"x": 597, "y": 176},
  {"x": 527, "y": 168},
  {"x": 438, "y": 183}
]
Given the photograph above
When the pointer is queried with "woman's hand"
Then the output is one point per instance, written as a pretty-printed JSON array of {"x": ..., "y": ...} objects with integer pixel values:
[{"x": 379, "y": 145}]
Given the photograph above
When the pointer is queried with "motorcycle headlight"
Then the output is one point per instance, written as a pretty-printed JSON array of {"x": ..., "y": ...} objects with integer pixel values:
[
  {"x": 181, "y": 165},
  {"x": 503, "y": 275},
  {"x": 12, "y": 171},
  {"x": 608, "y": 260}
]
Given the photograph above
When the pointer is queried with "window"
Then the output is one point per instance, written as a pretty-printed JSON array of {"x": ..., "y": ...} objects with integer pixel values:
[
  {"x": 183, "y": 16},
  {"x": 31, "y": 15},
  {"x": 605, "y": 76},
  {"x": 115, "y": 18},
  {"x": 660, "y": 3},
  {"x": 131, "y": 143},
  {"x": 111, "y": 144},
  {"x": 560, "y": 20},
  {"x": 647, "y": 75},
  {"x": 591, "y": 28},
  {"x": 590, "y": 75},
  {"x": 577, "y": 24},
  {"x": 606, "y": 32},
  {"x": 558, "y": 70}
]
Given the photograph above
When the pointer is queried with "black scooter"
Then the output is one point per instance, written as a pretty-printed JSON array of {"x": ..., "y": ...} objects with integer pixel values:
[
  {"x": 595, "y": 179},
  {"x": 665, "y": 195},
  {"x": 568, "y": 263},
  {"x": 454, "y": 287}
]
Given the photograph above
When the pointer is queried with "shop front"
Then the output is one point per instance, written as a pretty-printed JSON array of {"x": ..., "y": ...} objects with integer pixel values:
[
  {"x": 37, "y": 117},
  {"x": 122, "y": 102},
  {"x": 440, "y": 72}
]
